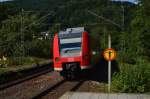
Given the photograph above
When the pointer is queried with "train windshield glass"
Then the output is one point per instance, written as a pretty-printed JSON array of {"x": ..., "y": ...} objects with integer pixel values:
[{"x": 70, "y": 46}]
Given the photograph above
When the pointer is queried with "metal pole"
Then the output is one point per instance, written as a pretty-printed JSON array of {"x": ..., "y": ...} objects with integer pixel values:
[{"x": 109, "y": 65}]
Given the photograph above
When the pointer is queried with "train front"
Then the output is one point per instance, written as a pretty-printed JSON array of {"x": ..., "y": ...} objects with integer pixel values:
[{"x": 71, "y": 52}]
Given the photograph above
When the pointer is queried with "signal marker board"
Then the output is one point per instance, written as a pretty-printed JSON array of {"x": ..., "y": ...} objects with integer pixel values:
[{"x": 109, "y": 54}]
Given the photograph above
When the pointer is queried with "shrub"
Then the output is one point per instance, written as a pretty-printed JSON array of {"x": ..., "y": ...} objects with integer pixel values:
[
  {"x": 15, "y": 61},
  {"x": 133, "y": 78},
  {"x": 39, "y": 48}
]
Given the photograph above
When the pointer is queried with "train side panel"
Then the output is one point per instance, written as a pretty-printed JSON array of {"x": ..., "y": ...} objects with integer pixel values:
[
  {"x": 56, "y": 54},
  {"x": 85, "y": 58}
]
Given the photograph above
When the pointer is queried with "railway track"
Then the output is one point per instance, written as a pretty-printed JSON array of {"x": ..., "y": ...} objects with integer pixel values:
[
  {"x": 41, "y": 84},
  {"x": 27, "y": 75},
  {"x": 46, "y": 86},
  {"x": 29, "y": 88},
  {"x": 54, "y": 92}
]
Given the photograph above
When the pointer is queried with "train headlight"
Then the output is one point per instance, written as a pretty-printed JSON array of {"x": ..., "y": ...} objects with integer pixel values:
[
  {"x": 80, "y": 53},
  {"x": 57, "y": 59}
]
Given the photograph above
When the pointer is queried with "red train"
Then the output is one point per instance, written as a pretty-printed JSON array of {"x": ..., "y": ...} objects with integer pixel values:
[{"x": 71, "y": 52}]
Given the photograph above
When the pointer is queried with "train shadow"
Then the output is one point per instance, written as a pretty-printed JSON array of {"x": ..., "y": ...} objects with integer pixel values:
[{"x": 99, "y": 72}]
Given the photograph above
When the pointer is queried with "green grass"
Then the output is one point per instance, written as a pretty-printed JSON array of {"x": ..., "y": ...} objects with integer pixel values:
[{"x": 18, "y": 63}]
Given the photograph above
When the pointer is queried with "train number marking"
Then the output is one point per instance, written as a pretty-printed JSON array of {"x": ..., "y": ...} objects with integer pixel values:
[{"x": 70, "y": 59}]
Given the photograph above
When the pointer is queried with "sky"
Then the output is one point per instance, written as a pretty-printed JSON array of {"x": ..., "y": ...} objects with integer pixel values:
[
  {"x": 4, "y": 0},
  {"x": 133, "y": 1}
]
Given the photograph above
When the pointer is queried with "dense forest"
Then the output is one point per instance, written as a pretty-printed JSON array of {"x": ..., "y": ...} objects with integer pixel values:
[
  {"x": 65, "y": 13},
  {"x": 22, "y": 21}
]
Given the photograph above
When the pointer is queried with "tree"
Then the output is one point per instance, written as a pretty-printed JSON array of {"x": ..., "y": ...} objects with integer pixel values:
[
  {"x": 6, "y": 10},
  {"x": 140, "y": 29},
  {"x": 16, "y": 32}
]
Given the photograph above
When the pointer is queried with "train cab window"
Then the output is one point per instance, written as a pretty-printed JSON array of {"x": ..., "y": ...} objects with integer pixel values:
[{"x": 70, "y": 45}]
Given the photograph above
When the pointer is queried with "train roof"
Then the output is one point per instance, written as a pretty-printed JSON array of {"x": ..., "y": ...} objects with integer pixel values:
[{"x": 71, "y": 32}]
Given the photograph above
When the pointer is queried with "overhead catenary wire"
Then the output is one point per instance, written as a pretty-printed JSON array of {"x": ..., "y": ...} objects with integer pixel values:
[
  {"x": 22, "y": 33},
  {"x": 105, "y": 19},
  {"x": 123, "y": 49}
]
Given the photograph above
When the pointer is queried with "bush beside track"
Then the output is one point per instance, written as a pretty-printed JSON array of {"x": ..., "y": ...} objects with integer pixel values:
[{"x": 133, "y": 78}]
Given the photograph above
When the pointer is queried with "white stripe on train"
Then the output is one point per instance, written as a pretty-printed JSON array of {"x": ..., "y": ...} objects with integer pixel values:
[{"x": 70, "y": 40}]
